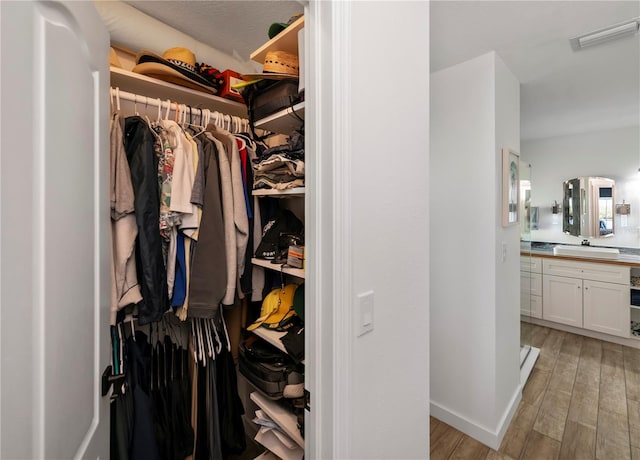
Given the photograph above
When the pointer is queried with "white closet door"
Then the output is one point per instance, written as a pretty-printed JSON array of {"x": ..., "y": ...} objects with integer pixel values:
[{"x": 54, "y": 258}]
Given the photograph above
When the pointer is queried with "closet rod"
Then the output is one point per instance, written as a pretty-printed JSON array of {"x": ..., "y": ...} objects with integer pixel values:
[{"x": 162, "y": 103}]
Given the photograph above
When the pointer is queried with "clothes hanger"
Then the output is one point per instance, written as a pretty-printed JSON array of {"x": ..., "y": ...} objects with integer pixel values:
[
  {"x": 226, "y": 333},
  {"x": 118, "y": 98},
  {"x": 159, "y": 111},
  {"x": 194, "y": 339},
  {"x": 112, "y": 98},
  {"x": 212, "y": 348},
  {"x": 166, "y": 115},
  {"x": 200, "y": 344}
]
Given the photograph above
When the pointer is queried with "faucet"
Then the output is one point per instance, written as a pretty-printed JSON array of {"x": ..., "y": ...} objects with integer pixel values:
[{"x": 585, "y": 243}]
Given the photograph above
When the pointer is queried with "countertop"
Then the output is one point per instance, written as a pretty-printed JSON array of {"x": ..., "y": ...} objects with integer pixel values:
[{"x": 628, "y": 256}]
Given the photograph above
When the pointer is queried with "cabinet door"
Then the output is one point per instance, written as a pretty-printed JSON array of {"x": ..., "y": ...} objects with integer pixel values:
[
  {"x": 562, "y": 299},
  {"x": 606, "y": 308}
]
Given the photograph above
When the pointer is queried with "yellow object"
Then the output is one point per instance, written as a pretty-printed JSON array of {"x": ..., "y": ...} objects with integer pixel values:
[{"x": 276, "y": 307}]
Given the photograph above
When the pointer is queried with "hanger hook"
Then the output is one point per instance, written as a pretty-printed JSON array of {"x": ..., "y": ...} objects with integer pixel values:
[{"x": 118, "y": 98}]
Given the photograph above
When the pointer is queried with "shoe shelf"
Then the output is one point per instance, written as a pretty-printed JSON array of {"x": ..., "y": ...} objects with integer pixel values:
[{"x": 297, "y": 272}]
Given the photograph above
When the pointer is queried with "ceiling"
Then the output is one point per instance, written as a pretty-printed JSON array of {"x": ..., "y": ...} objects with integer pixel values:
[{"x": 562, "y": 91}]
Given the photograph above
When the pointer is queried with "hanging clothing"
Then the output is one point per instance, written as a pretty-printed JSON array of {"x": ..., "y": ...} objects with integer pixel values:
[
  {"x": 209, "y": 268},
  {"x": 143, "y": 163},
  {"x": 143, "y": 440},
  {"x": 125, "y": 289}
]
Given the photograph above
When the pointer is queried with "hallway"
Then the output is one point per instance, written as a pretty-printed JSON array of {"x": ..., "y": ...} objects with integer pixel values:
[{"x": 582, "y": 401}]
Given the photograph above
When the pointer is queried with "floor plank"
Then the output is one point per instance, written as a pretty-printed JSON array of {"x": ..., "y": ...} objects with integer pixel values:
[
  {"x": 541, "y": 447},
  {"x": 469, "y": 449},
  {"x": 613, "y": 429},
  {"x": 553, "y": 414},
  {"x": 578, "y": 442},
  {"x": 444, "y": 440}
]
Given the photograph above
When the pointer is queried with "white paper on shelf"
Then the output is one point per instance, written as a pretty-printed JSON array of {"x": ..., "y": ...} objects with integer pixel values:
[
  {"x": 270, "y": 439},
  {"x": 263, "y": 419}
]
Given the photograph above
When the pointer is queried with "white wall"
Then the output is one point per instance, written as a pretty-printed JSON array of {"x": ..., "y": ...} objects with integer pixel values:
[
  {"x": 612, "y": 153},
  {"x": 389, "y": 187},
  {"x": 368, "y": 116},
  {"x": 474, "y": 296}
]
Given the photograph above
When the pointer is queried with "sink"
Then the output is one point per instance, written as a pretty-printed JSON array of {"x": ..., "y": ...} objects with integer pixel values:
[{"x": 586, "y": 251}]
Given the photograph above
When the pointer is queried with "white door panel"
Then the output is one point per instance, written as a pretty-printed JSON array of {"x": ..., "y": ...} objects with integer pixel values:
[
  {"x": 54, "y": 255},
  {"x": 606, "y": 308},
  {"x": 562, "y": 300}
]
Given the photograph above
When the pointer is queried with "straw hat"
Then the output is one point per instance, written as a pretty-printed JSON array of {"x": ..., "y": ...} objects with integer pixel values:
[
  {"x": 278, "y": 65},
  {"x": 114, "y": 60},
  {"x": 176, "y": 65}
]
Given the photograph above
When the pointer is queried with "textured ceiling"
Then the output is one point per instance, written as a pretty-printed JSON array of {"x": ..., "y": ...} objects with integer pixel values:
[
  {"x": 562, "y": 91},
  {"x": 236, "y": 27}
]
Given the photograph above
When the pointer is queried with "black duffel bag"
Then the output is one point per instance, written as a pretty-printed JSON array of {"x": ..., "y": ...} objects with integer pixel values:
[
  {"x": 270, "y": 370},
  {"x": 267, "y": 97}
]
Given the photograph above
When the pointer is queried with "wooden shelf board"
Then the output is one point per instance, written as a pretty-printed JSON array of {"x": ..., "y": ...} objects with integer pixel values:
[
  {"x": 290, "y": 192},
  {"x": 284, "y": 418},
  {"x": 284, "y": 121},
  {"x": 154, "y": 89},
  {"x": 287, "y": 40},
  {"x": 297, "y": 272}
]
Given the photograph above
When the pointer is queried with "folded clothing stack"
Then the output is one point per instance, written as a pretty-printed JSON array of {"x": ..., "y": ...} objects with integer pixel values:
[{"x": 281, "y": 167}]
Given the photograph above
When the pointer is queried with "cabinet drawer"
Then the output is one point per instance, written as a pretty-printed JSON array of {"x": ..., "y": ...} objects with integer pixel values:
[
  {"x": 531, "y": 264},
  {"x": 609, "y": 273},
  {"x": 530, "y": 283}
]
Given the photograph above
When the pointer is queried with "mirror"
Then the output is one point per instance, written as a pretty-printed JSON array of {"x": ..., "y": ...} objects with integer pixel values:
[{"x": 588, "y": 206}]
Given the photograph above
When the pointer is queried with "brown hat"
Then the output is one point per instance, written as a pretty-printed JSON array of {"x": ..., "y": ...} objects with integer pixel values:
[
  {"x": 277, "y": 66},
  {"x": 176, "y": 65}
]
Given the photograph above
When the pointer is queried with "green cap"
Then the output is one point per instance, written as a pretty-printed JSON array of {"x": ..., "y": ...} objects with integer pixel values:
[{"x": 278, "y": 27}]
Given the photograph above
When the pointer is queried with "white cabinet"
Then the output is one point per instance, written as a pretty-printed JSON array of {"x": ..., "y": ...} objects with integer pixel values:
[
  {"x": 531, "y": 286},
  {"x": 593, "y": 296},
  {"x": 562, "y": 298},
  {"x": 606, "y": 308}
]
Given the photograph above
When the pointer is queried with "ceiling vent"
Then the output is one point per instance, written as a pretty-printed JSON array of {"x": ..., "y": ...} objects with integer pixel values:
[{"x": 607, "y": 34}]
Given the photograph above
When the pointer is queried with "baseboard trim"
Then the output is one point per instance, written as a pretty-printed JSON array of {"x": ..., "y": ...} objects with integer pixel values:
[{"x": 486, "y": 436}]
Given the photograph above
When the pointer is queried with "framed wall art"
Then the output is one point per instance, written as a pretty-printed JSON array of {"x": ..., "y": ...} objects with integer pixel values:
[{"x": 510, "y": 187}]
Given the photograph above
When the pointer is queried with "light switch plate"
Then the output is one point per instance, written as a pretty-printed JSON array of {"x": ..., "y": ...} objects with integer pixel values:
[{"x": 364, "y": 313}]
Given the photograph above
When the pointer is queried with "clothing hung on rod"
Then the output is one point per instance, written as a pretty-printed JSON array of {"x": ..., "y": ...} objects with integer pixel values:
[
  {"x": 183, "y": 233},
  {"x": 195, "y": 217}
]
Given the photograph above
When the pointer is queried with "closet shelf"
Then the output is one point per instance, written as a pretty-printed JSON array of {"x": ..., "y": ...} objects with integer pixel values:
[
  {"x": 297, "y": 272},
  {"x": 288, "y": 193},
  {"x": 285, "y": 121},
  {"x": 153, "y": 88},
  {"x": 282, "y": 416},
  {"x": 287, "y": 40}
]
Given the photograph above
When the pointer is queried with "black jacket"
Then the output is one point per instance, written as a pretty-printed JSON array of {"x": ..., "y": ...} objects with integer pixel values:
[{"x": 143, "y": 163}]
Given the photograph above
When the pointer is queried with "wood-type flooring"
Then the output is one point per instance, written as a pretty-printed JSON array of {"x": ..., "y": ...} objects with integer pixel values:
[{"x": 582, "y": 401}]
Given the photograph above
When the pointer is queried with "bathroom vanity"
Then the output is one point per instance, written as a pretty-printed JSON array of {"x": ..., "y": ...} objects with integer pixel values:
[{"x": 591, "y": 293}]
